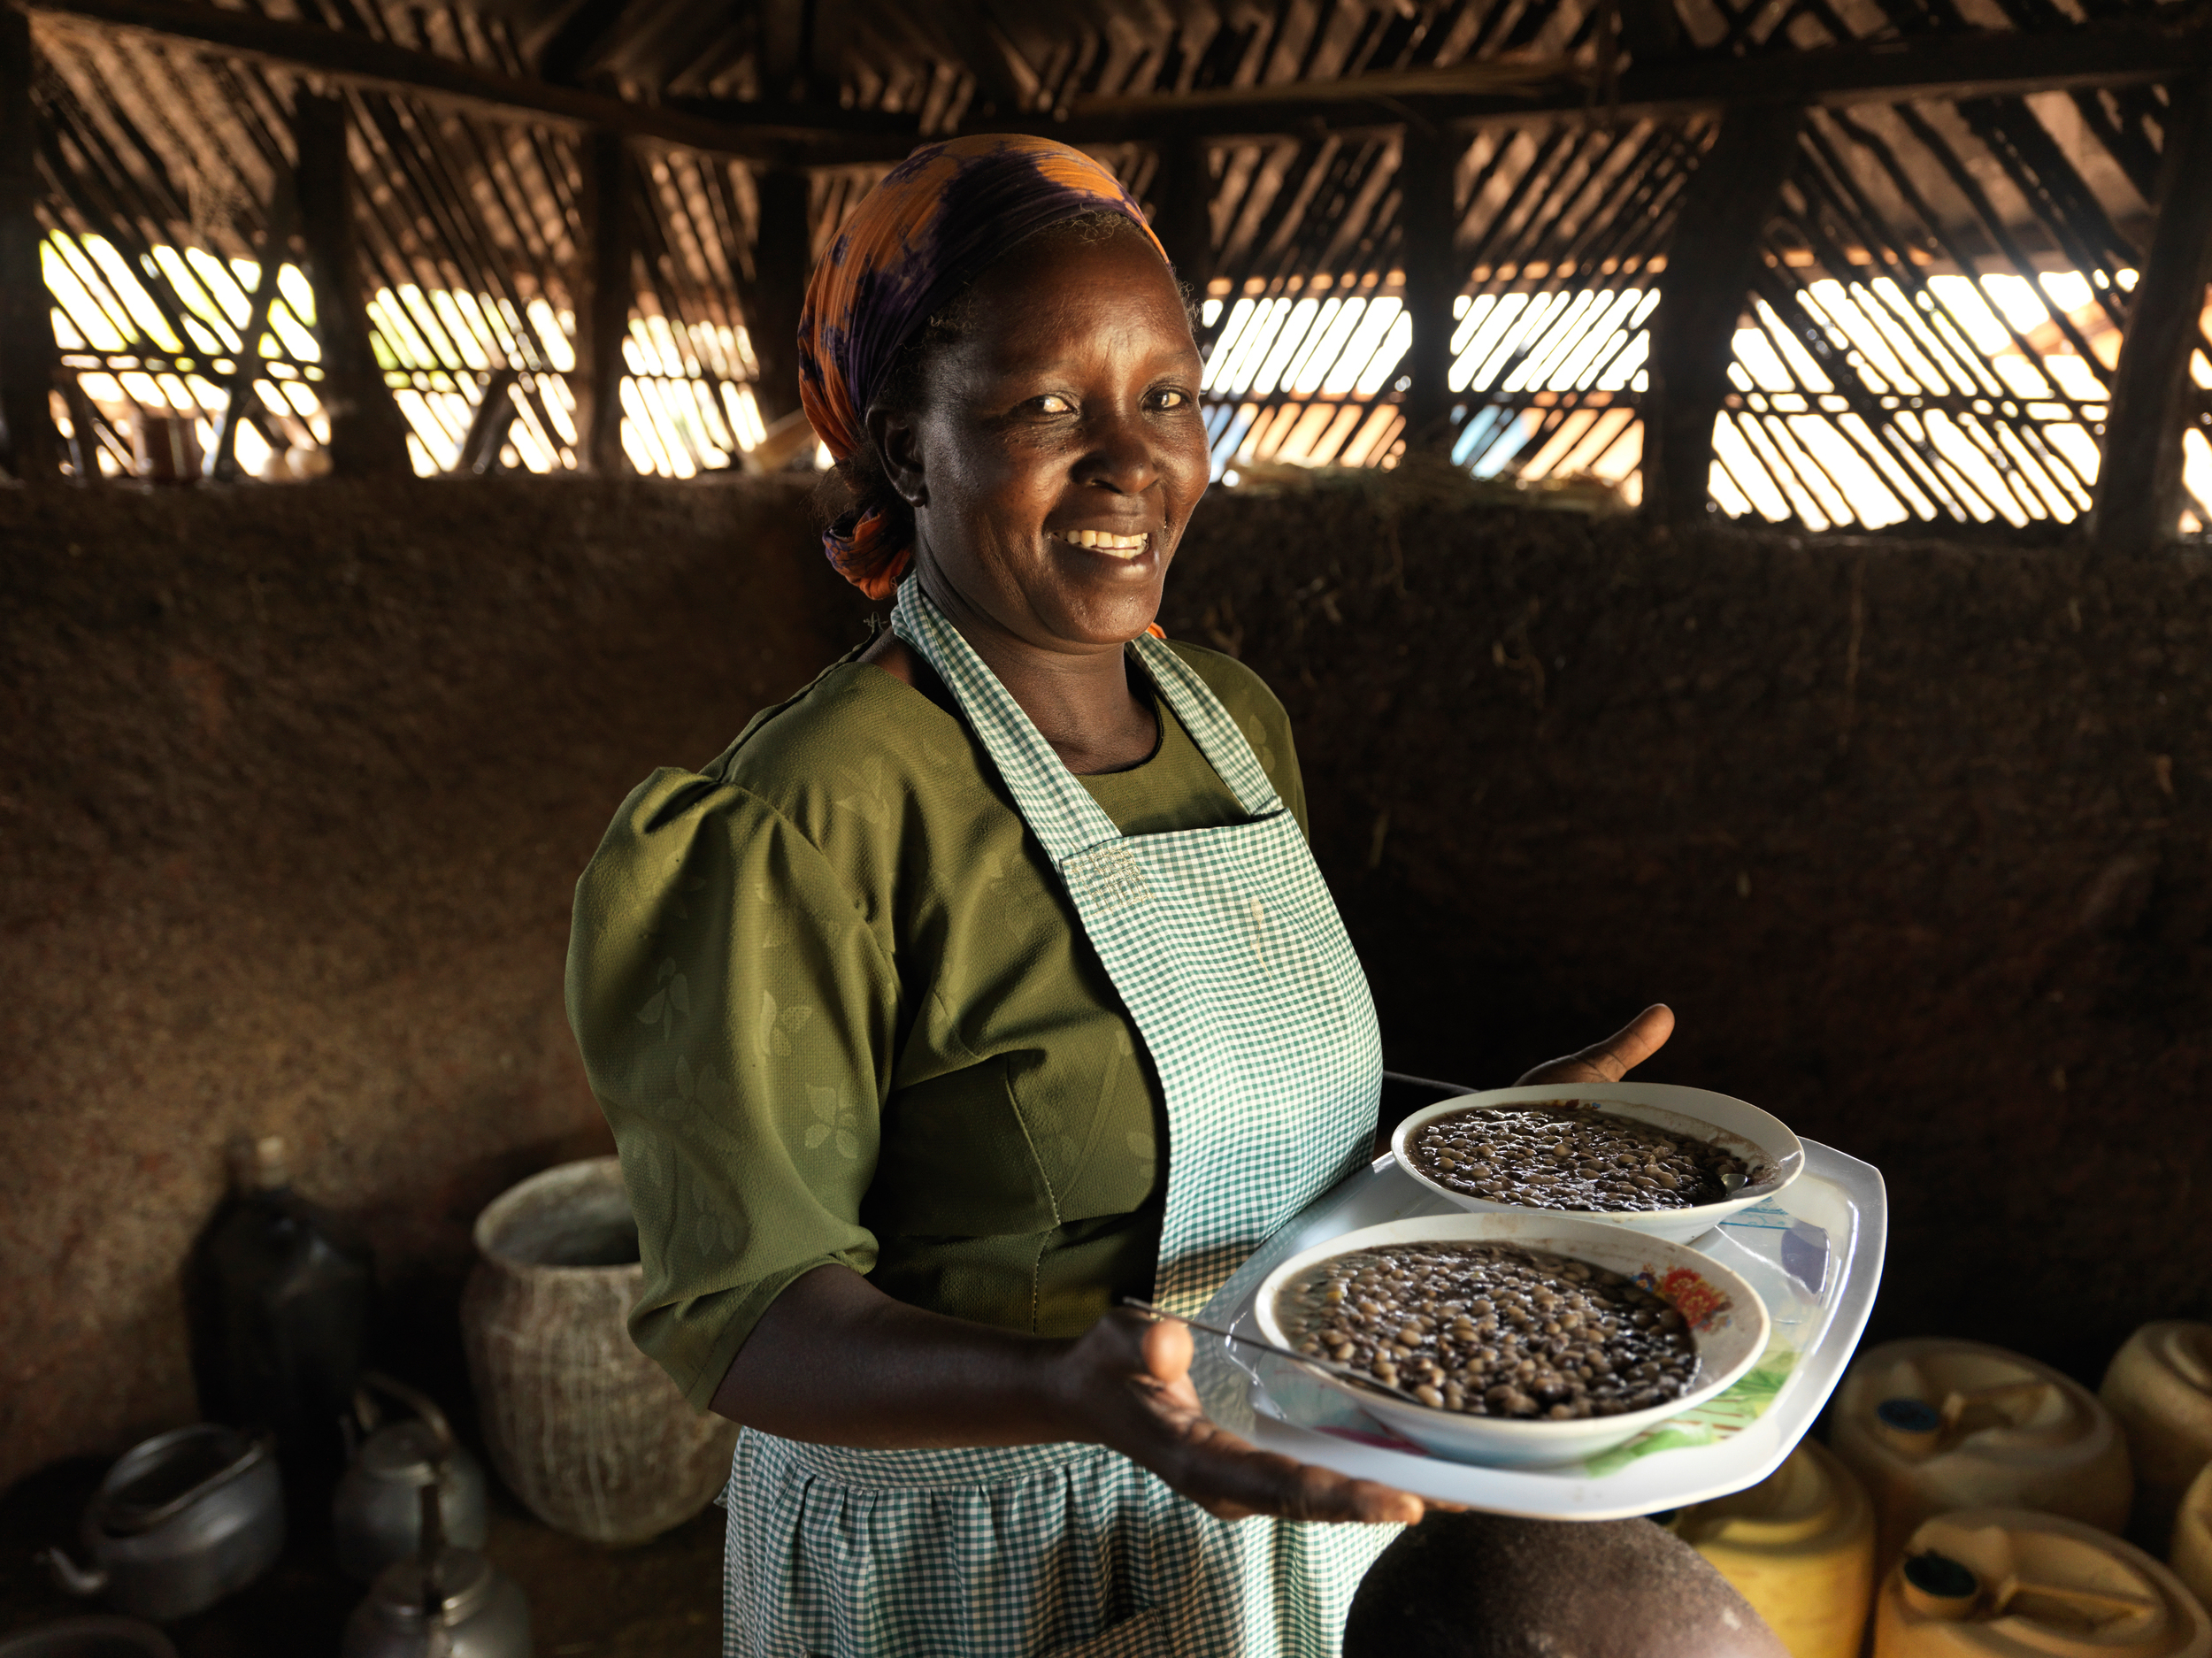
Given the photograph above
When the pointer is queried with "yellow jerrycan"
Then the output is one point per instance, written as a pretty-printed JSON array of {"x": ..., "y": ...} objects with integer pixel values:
[
  {"x": 2159, "y": 1387},
  {"x": 1933, "y": 1424},
  {"x": 1800, "y": 1547},
  {"x": 2010, "y": 1583},
  {"x": 2190, "y": 1553}
]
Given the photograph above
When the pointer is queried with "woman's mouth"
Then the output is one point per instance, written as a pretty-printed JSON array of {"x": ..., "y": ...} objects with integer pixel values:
[{"x": 1103, "y": 542}]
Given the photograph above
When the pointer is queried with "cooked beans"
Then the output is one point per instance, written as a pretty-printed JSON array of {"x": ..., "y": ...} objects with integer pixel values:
[
  {"x": 1494, "y": 1330},
  {"x": 1570, "y": 1155}
]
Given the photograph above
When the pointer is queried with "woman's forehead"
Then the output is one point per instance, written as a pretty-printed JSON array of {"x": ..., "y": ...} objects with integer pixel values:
[{"x": 1061, "y": 297}]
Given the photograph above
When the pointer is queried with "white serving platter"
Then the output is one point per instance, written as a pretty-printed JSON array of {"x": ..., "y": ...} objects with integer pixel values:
[{"x": 1813, "y": 1253}]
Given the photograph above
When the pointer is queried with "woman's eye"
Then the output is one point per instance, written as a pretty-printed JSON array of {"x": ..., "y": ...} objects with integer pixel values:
[
  {"x": 1170, "y": 398},
  {"x": 1054, "y": 403}
]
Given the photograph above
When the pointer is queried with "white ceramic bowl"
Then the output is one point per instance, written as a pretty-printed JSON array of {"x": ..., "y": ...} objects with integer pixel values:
[
  {"x": 1724, "y": 1314},
  {"x": 1774, "y": 1155}
]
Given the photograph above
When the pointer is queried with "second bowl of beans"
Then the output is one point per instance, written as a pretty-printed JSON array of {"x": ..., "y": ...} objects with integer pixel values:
[
  {"x": 1525, "y": 1339},
  {"x": 1654, "y": 1158}
]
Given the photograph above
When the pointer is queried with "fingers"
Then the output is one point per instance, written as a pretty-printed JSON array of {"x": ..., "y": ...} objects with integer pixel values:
[
  {"x": 1166, "y": 1350},
  {"x": 1230, "y": 1479},
  {"x": 1615, "y": 1057},
  {"x": 1635, "y": 1042},
  {"x": 1139, "y": 1398}
]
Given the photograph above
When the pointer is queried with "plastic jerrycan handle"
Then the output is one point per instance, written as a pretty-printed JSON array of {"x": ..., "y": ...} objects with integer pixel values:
[
  {"x": 1916, "y": 1428},
  {"x": 1936, "y": 1585}
]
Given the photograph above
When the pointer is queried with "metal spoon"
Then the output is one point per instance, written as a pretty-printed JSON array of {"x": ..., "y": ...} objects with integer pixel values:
[{"x": 1320, "y": 1367}]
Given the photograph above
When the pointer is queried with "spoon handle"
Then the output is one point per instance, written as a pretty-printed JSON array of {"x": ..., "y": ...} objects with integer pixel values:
[{"x": 1305, "y": 1361}]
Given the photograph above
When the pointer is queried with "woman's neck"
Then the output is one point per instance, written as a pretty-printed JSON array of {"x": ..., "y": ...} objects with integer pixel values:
[{"x": 1081, "y": 701}]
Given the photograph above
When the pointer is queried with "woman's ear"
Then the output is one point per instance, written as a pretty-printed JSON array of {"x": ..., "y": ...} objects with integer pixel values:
[{"x": 900, "y": 446}]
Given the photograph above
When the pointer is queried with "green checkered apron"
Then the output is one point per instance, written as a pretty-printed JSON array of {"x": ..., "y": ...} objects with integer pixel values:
[{"x": 1229, "y": 956}]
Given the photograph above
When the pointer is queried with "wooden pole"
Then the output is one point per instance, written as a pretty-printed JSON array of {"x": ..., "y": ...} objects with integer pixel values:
[
  {"x": 276, "y": 248},
  {"x": 1710, "y": 260},
  {"x": 782, "y": 261},
  {"x": 30, "y": 445},
  {"x": 487, "y": 427},
  {"x": 1651, "y": 30},
  {"x": 368, "y": 435},
  {"x": 2139, "y": 481},
  {"x": 605, "y": 290},
  {"x": 1428, "y": 220},
  {"x": 1184, "y": 218}
]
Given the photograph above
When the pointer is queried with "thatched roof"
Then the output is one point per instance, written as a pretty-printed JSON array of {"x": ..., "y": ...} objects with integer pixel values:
[{"x": 1932, "y": 283}]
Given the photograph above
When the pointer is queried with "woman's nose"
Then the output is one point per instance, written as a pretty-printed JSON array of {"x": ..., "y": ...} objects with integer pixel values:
[{"x": 1124, "y": 454}]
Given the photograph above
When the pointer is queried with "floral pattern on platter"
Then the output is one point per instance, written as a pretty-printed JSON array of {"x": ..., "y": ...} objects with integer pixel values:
[{"x": 1702, "y": 1307}]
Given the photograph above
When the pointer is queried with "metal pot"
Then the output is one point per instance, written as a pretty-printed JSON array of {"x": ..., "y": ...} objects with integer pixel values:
[
  {"x": 179, "y": 1522},
  {"x": 88, "y": 1637},
  {"x": 461, "y": 1608},
  {"x": 376, "y": 1517}
]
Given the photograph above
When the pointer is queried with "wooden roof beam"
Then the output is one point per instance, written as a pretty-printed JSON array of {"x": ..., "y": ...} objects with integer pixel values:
[
  {"x": 1979, "y": 63},
  {"x": 2139, "y": 491},
  {"x": 357, "y": 61},
  {"x": 570, "y": 51}
]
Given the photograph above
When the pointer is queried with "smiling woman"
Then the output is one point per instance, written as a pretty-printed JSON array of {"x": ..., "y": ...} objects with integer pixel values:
[{"x": 1013, "y": 991}]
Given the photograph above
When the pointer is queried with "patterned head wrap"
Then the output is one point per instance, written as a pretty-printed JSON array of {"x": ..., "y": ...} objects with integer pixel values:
[{"x": 938, "y": 220}]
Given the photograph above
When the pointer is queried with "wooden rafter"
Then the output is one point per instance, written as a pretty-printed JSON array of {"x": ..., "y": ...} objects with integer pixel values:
[
  {"x": 359, "y": 60},
  {"x": 1951, "y": 65},
  {"x": 1961, "y": 63}
]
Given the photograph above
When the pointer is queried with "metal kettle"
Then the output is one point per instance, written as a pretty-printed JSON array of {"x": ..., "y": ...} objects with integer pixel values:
[
  {"x": 376, "y": 1515},
  {"x": 445, "y": 1603},
  {"x": 179, "y": 1522}
]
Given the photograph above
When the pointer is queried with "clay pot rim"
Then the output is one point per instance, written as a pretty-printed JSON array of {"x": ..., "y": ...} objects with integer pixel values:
[{"x": 493, "y": 1217}]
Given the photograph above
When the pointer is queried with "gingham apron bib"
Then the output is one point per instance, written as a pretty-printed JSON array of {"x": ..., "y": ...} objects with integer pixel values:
[{"x": 1232, "y": 963}]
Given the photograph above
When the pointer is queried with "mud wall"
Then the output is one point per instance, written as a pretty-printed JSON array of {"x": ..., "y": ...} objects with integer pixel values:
[
  {"x": 295, "y": 782},
  {"x": 294, "y": 786}
]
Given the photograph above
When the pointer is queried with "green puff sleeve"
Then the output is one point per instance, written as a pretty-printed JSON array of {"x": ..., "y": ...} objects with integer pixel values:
[{"x": 737, "y": 1018}]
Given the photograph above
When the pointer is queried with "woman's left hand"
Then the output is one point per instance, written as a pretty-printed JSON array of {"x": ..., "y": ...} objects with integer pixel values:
[
  {"x": 1126, "y": 1383},
  {"x": 1613, "y": 1058}
]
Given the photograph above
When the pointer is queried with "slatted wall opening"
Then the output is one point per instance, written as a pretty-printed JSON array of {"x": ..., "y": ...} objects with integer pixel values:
[
  {"x": 1937, "y": 314},
  {"x": 1929, "y": 338},
  {"x": 160, "y": 165}
]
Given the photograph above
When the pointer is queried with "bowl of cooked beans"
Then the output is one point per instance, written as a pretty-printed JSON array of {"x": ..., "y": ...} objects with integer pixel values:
[
  {"x": 1522, "y": 1340},
  {"x": 1655, "y": 1158}
]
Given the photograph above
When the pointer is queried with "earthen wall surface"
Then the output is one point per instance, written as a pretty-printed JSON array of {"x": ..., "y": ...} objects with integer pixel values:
[{"x": 295, "y": 786}]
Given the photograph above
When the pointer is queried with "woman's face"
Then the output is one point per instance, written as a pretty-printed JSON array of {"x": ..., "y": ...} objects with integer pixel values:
[{"x": 1059, "y": 449}]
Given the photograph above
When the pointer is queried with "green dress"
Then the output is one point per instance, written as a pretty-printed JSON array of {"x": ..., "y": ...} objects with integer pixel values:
[{"x": 835, "y": 1004}]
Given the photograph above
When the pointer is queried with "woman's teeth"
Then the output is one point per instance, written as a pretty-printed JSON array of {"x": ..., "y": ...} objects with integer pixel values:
[{"x": 1099, "y": 540}]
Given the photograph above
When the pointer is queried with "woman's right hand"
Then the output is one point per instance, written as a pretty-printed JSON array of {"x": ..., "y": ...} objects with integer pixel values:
[{"x": 1127, "y": 1385}]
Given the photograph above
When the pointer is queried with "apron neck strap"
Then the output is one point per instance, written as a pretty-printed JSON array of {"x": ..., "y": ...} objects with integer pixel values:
[
  {"x": 1058, "y": 809},
  {"x": 1050, "y": 798},
  {"x": 1210, "y": 726}
]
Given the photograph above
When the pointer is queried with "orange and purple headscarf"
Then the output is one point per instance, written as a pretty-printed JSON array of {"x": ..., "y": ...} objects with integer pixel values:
[{"x": 938, "y": 220}]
